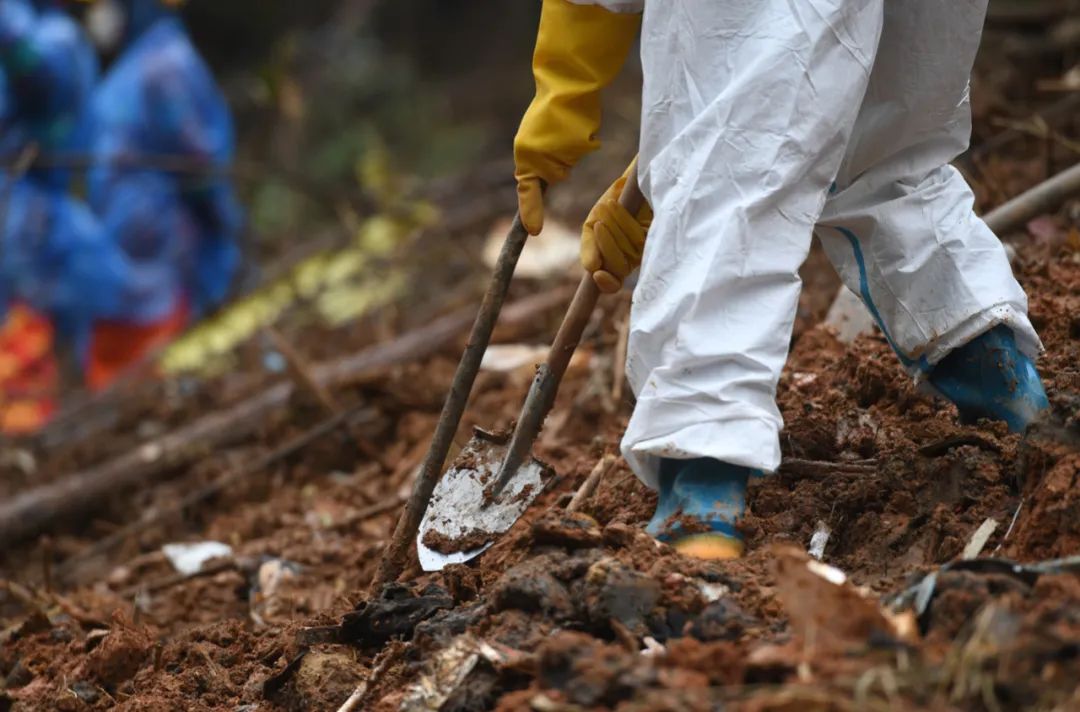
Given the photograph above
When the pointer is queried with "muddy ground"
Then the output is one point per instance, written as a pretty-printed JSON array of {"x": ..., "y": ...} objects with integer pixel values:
[
  {"x": 584, "y": 611},
  {"x": 574, "y": 611}
]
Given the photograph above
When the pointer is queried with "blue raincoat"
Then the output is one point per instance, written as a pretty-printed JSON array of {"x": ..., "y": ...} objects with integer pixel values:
[
  {"x": 159, "y": 103},
  {"x": 55, "y": 256}
]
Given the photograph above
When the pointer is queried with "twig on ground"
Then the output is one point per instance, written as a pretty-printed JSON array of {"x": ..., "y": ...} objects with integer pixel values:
[
  {"x": 1043, "y": 198},
  {"x": 1012, "y": 523},
  {"x": 588, "y": 487},
  {"x": 941, "y": 447},
  {"x": 823, "y": 468},
  {"x": 369, "y": 512},
  {"x": 979, "y": 538},
  {"x": 361, "y": 692},
  {"x": 211, "y": 569},
  {"x": 1060, "y": 110},
  {"x": 300, "y": 371},
  {"x": 1037, "y": 127}
]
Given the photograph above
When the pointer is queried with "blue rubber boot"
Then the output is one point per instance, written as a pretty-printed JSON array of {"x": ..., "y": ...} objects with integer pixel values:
[
  {"x": 989, "y": 378},
  {"x": 699, "y": 503}
]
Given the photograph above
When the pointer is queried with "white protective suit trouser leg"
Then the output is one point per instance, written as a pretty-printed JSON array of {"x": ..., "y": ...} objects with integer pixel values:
[
  {"x": 753, "y": 112},
  {"x": 898, "y": 224}
]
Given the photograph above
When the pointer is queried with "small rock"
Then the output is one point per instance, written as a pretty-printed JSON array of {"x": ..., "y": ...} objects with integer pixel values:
[
  {"x": 20, "y": 676},
  {"x": 530, "y": 587},
  {"x": 448, "y": 624},
  {"x": 620, "y": 535},
  {"x": 86, "y": 691},
  {"x": 395, "y": 613},
  {"x": 722, "y": 619},
  {"x": 571, "y": 530},
  {"x": 462, "y": 581},
  {"x": 119, "y": 656},
  {"x": 614, "y": 591}
]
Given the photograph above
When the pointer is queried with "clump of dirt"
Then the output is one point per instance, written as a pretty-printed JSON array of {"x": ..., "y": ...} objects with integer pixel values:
[
  {"x": 466, "y": 541},
  {"x": 118, "y": 656}
]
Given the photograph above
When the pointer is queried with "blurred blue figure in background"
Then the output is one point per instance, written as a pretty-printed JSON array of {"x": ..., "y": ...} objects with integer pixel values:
[
  {"x": 162, "y": 136},
  {"x": 58, "y": 271},
  {"x": 49, "y": 73},
  {"x": 160, "y": 104}
]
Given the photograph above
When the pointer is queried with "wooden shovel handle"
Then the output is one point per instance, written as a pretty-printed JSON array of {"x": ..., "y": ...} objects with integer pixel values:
[
  {"x": 549, "y": 376},
  {"x": 584, "y": 302}
]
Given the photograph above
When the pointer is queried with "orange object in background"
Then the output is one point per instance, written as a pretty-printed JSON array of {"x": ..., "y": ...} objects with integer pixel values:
[
  {"x": 29, "y": 373},
  {"x": 116, "y": 346}
]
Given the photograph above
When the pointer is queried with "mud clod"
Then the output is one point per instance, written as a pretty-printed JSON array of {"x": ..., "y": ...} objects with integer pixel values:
[
  {"x": 574, "y": 530},
  {"x": 531, "y": 587},
  {"x": 395, "y": 613},
  {"x": 119, "y": 656}
]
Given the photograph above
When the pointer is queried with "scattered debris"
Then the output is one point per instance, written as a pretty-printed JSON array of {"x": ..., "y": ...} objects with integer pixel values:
[
  {"x": 827, "y": 613},
  {"x": 819, "y": 540},
  {"x": 443, "y": 675},
  {"x": 979, "y": 538},
  {"x": 504, "y": 358},
  {"x": 188, "y": 559}
]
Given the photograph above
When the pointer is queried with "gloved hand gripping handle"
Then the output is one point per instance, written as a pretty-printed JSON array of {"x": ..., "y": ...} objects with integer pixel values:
[{"x": 545, "y": 385}]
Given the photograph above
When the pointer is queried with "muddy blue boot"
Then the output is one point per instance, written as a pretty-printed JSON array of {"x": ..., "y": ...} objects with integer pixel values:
[
  {"x": 990, "y": 378},
  {"x": 698, "y": 504}
]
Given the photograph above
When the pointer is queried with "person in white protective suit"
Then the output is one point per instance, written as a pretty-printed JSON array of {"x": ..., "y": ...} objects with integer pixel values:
[{"x": 764, "y": 122}]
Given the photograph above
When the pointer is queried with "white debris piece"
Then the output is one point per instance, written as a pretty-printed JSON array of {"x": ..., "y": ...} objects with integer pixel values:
[
  {"x": 978, "y": 540},
  {"x": 189, "y": 558},
  {"x": 504, "y": 358},
  {"x": 443, "y": 674},
  {"x": 553, "y": 252},
  {"x": 819, "y": 540}
]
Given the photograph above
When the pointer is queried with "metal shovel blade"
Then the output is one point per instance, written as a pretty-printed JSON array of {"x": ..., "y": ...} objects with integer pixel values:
[{"x": 463, "y": 519}]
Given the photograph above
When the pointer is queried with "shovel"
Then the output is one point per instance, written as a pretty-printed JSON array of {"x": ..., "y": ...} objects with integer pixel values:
[{"x": 495, "y": 479}]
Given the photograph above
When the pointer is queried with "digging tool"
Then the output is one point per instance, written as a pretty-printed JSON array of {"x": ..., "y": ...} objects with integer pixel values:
[
  {"x": 495, "y": 479},
  {"x": 394, "y": 558}
]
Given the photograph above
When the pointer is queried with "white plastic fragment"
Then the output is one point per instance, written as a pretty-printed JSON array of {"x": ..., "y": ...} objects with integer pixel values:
[
  {"x": 978, "y": 540},
  {"x": 653, "y": 647},
  {"x": 830, "y": 573},
  {"x": 151, "y": 452},
  {"x": 819, "y": 540},
  {"x": 712, "y": 591},
  {"x": 510, "y": 357},
  {"x": 188, "y": 558}
]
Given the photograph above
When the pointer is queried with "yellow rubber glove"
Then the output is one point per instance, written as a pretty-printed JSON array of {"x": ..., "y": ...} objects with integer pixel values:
[
  {"x": 612, "y": 240},
  {"x": 579, "y": 50}
]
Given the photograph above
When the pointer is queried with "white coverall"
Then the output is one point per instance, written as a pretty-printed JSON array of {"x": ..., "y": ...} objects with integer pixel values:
[{"x": 763, "y": 122}]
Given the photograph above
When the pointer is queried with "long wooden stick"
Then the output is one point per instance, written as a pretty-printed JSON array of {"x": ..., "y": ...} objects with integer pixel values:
[
  {"x": 599, "y": 471},
  {"x": 1043, "y": 198}
]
